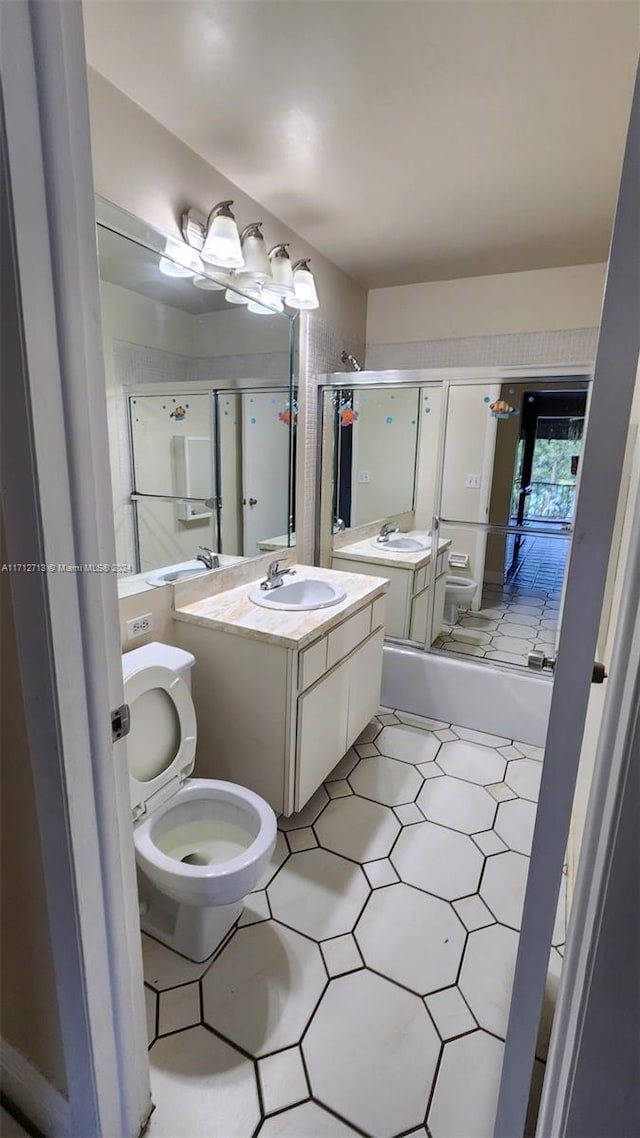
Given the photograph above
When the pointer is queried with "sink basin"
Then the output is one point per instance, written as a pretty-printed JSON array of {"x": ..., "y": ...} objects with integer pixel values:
[
  {"x": 401, "y": 543},
  {"x": 169, "y": 574},
  {"x": 303, "y": 595}
]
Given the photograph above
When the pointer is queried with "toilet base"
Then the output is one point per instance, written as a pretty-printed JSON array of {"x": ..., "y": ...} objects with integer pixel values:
[
  {"x": 192, "y": 930},
  {"x": 450, "y": 613}
]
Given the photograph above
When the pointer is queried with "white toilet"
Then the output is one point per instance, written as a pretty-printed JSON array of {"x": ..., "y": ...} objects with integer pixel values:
[
  {"x": 459, "y": 593},
  {"x": 201, "y": 844}
]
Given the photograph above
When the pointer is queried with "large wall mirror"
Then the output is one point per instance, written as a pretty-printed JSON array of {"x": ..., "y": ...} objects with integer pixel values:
[
  {"x": 201, "y": 413},
  {"x": 462, "y": 493}
]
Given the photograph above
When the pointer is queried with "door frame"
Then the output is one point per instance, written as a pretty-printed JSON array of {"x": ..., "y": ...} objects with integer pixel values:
[
  {"x": 600, "y": 479},
  {"x": 57, "y": 512}
]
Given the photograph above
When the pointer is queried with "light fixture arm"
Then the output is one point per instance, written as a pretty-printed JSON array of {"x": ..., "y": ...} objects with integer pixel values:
[
  {"x": 280, "y": 250},
  {"x": 253, "y": 229},
  {"x": 222, "y": 209}
]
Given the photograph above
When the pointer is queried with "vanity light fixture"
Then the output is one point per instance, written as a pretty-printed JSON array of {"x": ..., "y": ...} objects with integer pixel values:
[
  {"x": 266, "y": 279},
  {"x": 281, "y": 272},
  {"x": 305, "y": 295},
  {"x": 222, "y": 240}
]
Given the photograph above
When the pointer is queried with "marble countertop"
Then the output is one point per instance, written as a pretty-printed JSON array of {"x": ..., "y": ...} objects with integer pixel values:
[
  {"x": 231, "y": 611},
  {"x": 394, "y": 558}
]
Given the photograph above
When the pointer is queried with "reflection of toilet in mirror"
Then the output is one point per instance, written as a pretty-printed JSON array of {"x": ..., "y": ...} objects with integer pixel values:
[
  {"x": 459, "y": 593},
  {"x": 201, "y": 845}
]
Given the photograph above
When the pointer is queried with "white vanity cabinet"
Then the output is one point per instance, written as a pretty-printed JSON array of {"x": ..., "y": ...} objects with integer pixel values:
[
  {"x": 278, "y": 717},
  {"x": 409, "y": 587}
]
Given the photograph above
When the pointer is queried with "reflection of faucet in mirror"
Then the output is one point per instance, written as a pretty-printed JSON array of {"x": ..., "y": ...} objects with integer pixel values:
[
  {"x": 385, "y": 530},
  {"x": 275, "y": 573},
  {"x": 338, "y": 525},
  {"x": 208, "y": 558},
  {"x": 348, "y": 358}
]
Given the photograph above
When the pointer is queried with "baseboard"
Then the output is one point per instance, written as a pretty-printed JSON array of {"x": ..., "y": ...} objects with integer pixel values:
[
  {"x": 493, "y": 578},
  {"x": 30, "y": 1092}
]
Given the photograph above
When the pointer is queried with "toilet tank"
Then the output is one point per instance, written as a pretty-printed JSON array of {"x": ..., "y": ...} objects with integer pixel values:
[{"x": 150, "y": 655}]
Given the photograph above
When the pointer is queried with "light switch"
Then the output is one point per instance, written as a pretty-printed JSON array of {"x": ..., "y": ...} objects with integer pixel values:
[
  {"x": 363, "y": 476},
  {"x": 473, "y": 481}
]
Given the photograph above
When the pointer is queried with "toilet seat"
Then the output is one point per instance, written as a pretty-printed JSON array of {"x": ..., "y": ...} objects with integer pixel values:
[
  {"x": 453, "y": 582},
  {"x": 148, "y": 740}
]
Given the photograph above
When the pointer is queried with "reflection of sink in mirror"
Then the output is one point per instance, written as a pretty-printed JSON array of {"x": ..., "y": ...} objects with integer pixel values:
[
  {"x": 302, "y": 595},
  {"x": 172, "y": 573},
  {"x": 403, "y": 543},
  {"x": 169, "y": 574}
]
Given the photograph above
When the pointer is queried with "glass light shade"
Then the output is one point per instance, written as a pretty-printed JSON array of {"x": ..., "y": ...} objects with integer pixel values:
[
  {"x": 206, "y": 283},
  {"x": 179, "y": 260},
  {"x": 235, "y": 297},
  {"x": 256, "y": 261},
  {"x": 222, "y": 243},
  {"x": 268, "y": 304},
  {"x": 247, "y": 284},
  {"x": 282, "y": 275},
  {"x": 170, "y": 269},
  {"x": 305, "y": 295}
]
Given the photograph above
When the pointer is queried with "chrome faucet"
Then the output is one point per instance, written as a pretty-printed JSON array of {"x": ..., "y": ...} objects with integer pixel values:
[
  {"x": 275, "y": 573},
  {"x": 208, "y": 558},
  {"x": 385, "y": 530}
]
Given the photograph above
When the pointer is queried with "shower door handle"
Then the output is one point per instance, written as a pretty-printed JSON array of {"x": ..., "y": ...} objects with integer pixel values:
[{"x": 539, "y": 662}]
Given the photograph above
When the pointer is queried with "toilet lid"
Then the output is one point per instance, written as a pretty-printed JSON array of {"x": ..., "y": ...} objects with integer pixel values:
[{"x": 161, "y": 744}]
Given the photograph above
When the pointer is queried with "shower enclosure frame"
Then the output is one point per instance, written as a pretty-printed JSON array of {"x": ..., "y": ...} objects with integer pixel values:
[
  {"x": 214, "y": 502},
  {"x": 441, "y": 379}
]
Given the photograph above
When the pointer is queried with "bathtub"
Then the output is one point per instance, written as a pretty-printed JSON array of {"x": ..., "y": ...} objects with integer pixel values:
[{"x": 479, "y": 696}]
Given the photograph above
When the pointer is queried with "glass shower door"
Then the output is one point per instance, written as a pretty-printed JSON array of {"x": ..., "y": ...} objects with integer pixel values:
[
  {"x": 174, "y": 477},
  {"x": 505, "y": 537}
]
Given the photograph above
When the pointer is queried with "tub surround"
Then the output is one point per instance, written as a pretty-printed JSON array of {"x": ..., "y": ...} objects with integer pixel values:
[
  {"x": 409, "y": 583},
  {"x": 233, "y": 612},
  {"x": 280, "y": 696}
]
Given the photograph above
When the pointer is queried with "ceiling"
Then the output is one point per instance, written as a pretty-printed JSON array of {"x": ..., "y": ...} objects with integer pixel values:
[{"x": 407, "y": 140}]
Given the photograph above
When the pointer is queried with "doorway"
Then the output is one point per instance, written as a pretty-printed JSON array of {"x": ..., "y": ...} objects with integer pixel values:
[{"x": 545, "y": 486}]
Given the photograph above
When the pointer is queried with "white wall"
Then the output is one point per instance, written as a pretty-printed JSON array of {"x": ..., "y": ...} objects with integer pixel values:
[
  {"x": 429, "y": 441},
  {"x": 128, "y": 316},
  {"x": 543, "y": 300},
  {"x": 384, "y": 451},
  {"x": 470, "y": 434}
]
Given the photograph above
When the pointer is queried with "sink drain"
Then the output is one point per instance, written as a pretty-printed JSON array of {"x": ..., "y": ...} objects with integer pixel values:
[{"x": 194, "y": 859}]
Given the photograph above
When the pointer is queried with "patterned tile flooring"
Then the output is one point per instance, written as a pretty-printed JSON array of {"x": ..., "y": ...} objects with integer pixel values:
[
  {"x": 518, "y": 616},
  {"x": 366, "y": 988}
]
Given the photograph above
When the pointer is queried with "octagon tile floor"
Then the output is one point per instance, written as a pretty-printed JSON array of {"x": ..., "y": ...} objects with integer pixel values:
[{"x": 366, "y": 987}]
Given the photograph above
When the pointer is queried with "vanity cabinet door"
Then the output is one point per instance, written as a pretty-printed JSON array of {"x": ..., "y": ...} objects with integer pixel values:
[
  {"x": 438, "y": 611},
  {"x": 365, "y": 679},
  {"x": 419, "y": 631},
  {"x": 322, "y": 731}
]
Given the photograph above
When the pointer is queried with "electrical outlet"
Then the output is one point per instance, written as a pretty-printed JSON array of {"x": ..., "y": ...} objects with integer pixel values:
[
  {"x": 139, "y": 626},
  {"x": 363, "y": 476},
  {"x": 473, "y": 481}
]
